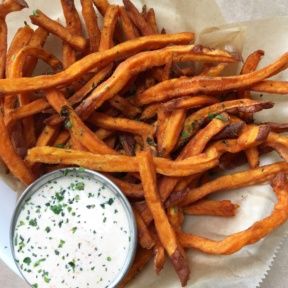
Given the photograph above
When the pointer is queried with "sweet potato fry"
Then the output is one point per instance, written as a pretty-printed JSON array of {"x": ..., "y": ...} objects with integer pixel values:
[
  {"x": 138, "y": 20},
  {"x": 173, "y": 128},
  {"x": 8, "y": 6},
  {"x": 224, "y": 208},
  {"x": 271, "y": 86},
  {"x": 142, "y": 257},
  {"x": 124, "y": 106},
  {"x": 135, "y": 65},
  {"x": 102, "y": 120},
  {"x": 159, "y": 254},
  {"x": 277, "y": 127},
  {"x": 12, "y": 160},
  {"x": 102, "y": 6},
  {"x": 61, "y": 139},
  {"x": 257, "y": 231},
  {"x": 47, "y": 136},
  {"x": 98, "y": 60},
  {"x": 76, "y": 127},
  {"x": 213, "y": 71},
  {"x": 233, "y": 181},
  {"x": 164, "y": 230},
  {"x": 74, "y": 26},
  {"x": 119, "y": 163},
  {"x": 144, "y": 237},
  {"x": 150, "y": 111},
  {"x": 150, "y": 18},
  {"x": 110, "y": 20},
  {"x": 231, "y": 131},
  {"x": 91, "y": 22},
  {"x": 40, "y": 19},
  {"x": 162, "y": 118},
  {"x": 185, "y": 86},
  {"x": 127, "y": 26},
  {"x": 103, "y": 133}
]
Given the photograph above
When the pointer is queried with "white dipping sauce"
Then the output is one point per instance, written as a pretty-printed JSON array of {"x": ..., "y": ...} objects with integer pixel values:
[{"x": 73, "y": 232}]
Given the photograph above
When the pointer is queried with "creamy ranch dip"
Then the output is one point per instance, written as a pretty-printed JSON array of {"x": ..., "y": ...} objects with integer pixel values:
[{"x": 73, "y": 232}]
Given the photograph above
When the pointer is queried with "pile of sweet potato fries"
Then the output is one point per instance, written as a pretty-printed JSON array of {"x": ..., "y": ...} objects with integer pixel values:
[{"x": 129, "y": 101}]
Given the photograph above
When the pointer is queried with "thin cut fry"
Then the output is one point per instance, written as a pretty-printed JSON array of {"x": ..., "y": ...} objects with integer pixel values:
[
  {"x": 47, "y": 136},
  {"x": 224, "y": 208},
  {"x": 61, "y": 139},
  {"x": 164, "y": 230},
  {"x": 159, "y": 255},
  {"x": 124, "y": 106},
  {"x": 151, "y": 20},
  {"x": 127, "y": 25},
  {"x": 75, "y": 41},
  {"x": 258, "y": 230},
  {"x": 91, "y": 22},
  {"x": 214, "y": 71},
  {"x": 102, "y": 6}
]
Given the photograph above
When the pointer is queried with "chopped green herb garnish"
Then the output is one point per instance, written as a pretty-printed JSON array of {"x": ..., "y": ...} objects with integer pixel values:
[
  {"x": 59, "y": 196},
  {"x": 33, "y": 222},
  {"x": 221, "y": 117},
  {"x": 109, "y": 258},
  {"x": 62, "y": 242},
  {"x": 60, "y": 145},
  {"x": 184, "y": 134},
  {"x": 27, "y": 260},
  {"x": 74, "y": 229},
  {"x": 34, "y": 286},
  {"x": 110, "y": 201},
  {"x": 80, "y": 186},
  {"x": 57, "y": 209},
  {"x": 72, "y": 264},
  {"x": 90, "y": 206},
  {"x": 56, "y": 252},
  {"x": 35, "y": 13},
  {"x": 38, "y": 262},
  {"x": 47, "y": 229}
]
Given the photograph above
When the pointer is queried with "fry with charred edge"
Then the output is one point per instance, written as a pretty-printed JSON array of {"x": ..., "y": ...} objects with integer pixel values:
[
  {"x": 42, "y": 20},
  {"x": 242, "y": 105},
  {"x": 127, "y": 25},
  {"x": 224, "y": 208},
  {"x": 164, "y": 230},
  {"x": 124, "y": 106},
  {"x": 189, "y": 102},
  {"x": 15, "y": 164},
  {"x": 101, "y": 5},
  {"x": 173, "y": 128},
  {"x": 36, "y": 106},
  {"x": 144, "y": 237},
  {"x": 74, "y": 26},
  {"x": 38, "y": 40},
  {"x": 110, "y": 20},
  {"x": 138, "y": 20},
  {"x": 142, "y": 257},
  {"x": 102, "y": 120},
  {"x": 139, "y": 63},
  {"x": 119, "y": 163},
  {"x": 91, "y": 22},
  {"x": 93, "y": 60},
  {"x": 129, "y": 189},
  {"x": 257, "y": 231},
  {"x": 231, "y": 131},
  {"x": 74, "y": 124},
  {"x": 150, "y": 18},
  {"x": 7, "y": 7},
  {"x": 185, "y": 86},
  {"x": 162, "y": 118},
  {"x": 277, "y": 127},
  {"x": 233, "y": 181}
]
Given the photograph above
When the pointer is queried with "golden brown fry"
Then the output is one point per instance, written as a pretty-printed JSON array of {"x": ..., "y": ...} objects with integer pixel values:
[
  {"x": 151, "y": 20},
  {"x": 110, "y": 20},
  {"x": 74, "y": 26},
  {"x": 119, "y": 163},
  {"x": 138, "y": 20},
  {"x": 150, "y": 111},
  {"x": 76, "y": 127},
  {"x": 91, "y": 22},
  {"x": 162, "y": 118},
  {"x": 224, "y": 208},
  {"x": 164, "y": 230},
  {"x": 159, "y": 255},
  {"x": 37, "y": 106},
  {"x": 103, "y": 133},
  {"x": 142, "y": 257},
  {"x": 75, "y": 144},
  {"x": 47, "y": 136},
  {"x": 252, "y": 155},
  {"x": 189, "y": 102},
  {"x": 145, "y": 239},
  {"x": 213, "y": 71},
  {"x": 61, "y": 139},
  {"x": 271, "y": 86},
  {"x": 174, "y": 126},
  {"x": 12, "y": 160},
  {"x": 102, "y": 120},
  {"x": 185, "y": 86},
  {"x": 257, "y": 231},
  {"x": 252, "y": 61},
  {"x": 98, "y": 60},
  {"x": 102, "y": 6},
  {"x": 40, "y": 19},
  {"x": 127, "y": 26},
  {"x": 8, "y": 6},
  {"x": 133, "y": 66}
]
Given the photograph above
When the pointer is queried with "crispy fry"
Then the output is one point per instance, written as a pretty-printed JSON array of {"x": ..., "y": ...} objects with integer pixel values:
[
  {"x": 159, "y": 255},
  {"x": 138, "y": 20},
  {"x": 110, "y": 20},
  {"x": 98, "y": 60},
  {"x": 91, "y": 22},
  {"x": 224, "y": 208},
  {"x": 135, "y": 65},
  {"x": 61, "y": 139},
  {"x": 277, "y": 127},
  {"x": 213, "y": 71},
  {"x": 74, "y": 26},
  {"x": 120, "y": 124},
  {"x": 162, "y": 118},
  {"x": 271, "y": 86},
  {"x": 102, "y": 6},
  {"x": 150, "y": 111},
  {"x": 164, "y": 230},
  {"x": 185, "y": 86},
  {"x": 142, "y": 257},
  {"x": 119, "y": 163},
  {"x": 127, "y": 26},
  {"x": 75, "y": 144},
  {"x": 41, "y": 20},
  {"x": 257, "y": 231},
  {"x": 174, "y": 126},
  {"x": 47, "y": 136},
  {"x": 15, "y": 164},
  {"x": 77, "y": 128},
  {"x": 151, "y": 20},
  {"x": 252, "y": 155},
  {"x": 144, "y": 237},
  {"x": 231, "y": 131},
  {"x": 103, "y": 133},
  {"x": 124, "y": 106},
  {"x": 8, "y": 6}
]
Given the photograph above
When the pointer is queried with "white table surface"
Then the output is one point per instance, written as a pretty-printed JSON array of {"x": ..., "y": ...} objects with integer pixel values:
[{"x": 277, "y": 276}]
